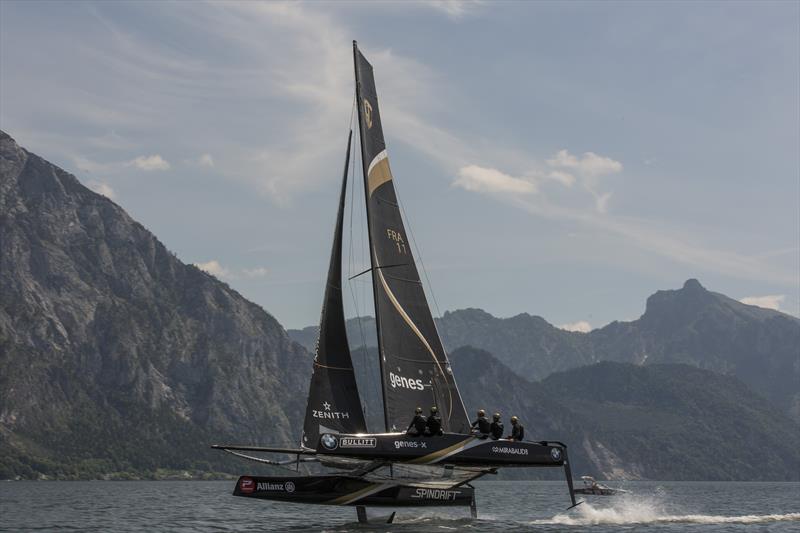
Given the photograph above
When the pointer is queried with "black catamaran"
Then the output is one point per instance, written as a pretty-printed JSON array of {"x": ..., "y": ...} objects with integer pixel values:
[{"x": 392, "y": 468}]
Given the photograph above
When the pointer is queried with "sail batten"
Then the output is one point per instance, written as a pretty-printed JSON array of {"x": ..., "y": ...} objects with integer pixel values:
[
  {"x": 415, "y": 371},
  {"x": 334, "y": 405}
]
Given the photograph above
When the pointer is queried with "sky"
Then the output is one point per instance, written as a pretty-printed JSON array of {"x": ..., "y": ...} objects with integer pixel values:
[{"x": 565, "y": 160}]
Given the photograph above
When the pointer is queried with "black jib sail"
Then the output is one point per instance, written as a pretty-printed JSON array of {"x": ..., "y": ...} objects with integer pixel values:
[
  {"x": 333, "y": 401},
  {"x": 414, "y": 365}
]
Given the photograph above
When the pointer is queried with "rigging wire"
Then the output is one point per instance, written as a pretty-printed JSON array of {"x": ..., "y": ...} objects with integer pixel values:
[
  {"x": 418, "y": 252},
  {"x": 430, "y": 290}
]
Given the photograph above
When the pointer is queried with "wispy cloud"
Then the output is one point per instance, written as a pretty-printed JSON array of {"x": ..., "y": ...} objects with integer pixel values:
[
  {"x": 670, "y": 243},
  {"x": 205, "y": 160},
  {"x": 149, "y": 163},
  {"x": 771, "y": 301},
  {"x": 581, "y": 326},
  {"x": 309, "y": 87},
  {"x": 651, "y": 236},
  {"x": 491, "y": 180},
  {"x": 84, "y": 164},
  {"x": 565, "y": 178},
  {"x": 102, "y": 188},
  {"x": 215, "y": 268},
  {"x": 589, "y": 164},
  {"x": 411, "y": 85},
  {"x": 601, "y": 202},
  {"x": 258, "y": 272},
  {"x": 589, "y": 167},
  {"x": 454, "y": 9}
]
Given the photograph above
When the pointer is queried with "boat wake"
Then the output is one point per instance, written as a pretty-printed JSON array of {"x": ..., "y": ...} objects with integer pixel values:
[
  {"x": 637, "y": 511},
  {"x": 628, "y": 513}
]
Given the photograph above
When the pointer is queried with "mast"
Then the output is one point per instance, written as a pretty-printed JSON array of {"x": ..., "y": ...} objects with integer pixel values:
[
  {"x": 364, "y": 168},
  {"x": 334, "y": 405},
  {"x": 415, "y": 371}
]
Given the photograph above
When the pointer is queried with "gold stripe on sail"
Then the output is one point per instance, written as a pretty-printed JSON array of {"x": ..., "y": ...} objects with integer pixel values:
[
  {"x": 379, "y": 172},
  {"x": 416, "y": 331}
]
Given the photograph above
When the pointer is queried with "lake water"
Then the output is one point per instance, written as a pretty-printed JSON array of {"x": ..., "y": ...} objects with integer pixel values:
[{"x": 183, "y": 506}]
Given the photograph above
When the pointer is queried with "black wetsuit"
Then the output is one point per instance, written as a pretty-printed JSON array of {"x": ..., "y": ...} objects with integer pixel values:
[
  {"x": 497, "y": 430},
  {"x": 517, "y": 431},
  {"x": 434, "y": 426},
  {"x": 483, "y": 424},
  {"x": 417, "y": 426}
]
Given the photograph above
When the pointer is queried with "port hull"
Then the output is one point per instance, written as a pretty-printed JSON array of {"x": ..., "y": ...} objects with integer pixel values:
[{"x": 343, "y": 490}]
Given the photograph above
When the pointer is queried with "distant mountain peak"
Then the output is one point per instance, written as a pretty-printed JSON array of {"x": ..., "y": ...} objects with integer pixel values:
[
  {"x": 692, "y": 284},
  {"x": 475, "y": 312},
  {"x": 679, "y": 305}
]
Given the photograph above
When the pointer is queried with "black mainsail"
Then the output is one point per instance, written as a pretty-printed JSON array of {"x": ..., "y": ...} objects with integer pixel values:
[
  {"x": 334, "y": 405},
  {"x": 414, "y": 366}
]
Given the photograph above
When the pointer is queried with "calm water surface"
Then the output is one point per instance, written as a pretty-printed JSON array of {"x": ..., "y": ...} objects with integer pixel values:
[{"x": 183, "y": 506}]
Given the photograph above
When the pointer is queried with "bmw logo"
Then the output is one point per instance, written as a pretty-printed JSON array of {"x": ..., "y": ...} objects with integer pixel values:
[
  {"x": 289, "y": 486},
  {"x": 555, "y": 453},
  {"x": 329, "y": 441}
]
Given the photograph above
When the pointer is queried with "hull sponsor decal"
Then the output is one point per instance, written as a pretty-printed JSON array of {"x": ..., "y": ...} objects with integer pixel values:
[
  {"x": 435, "y": 494},
  {"x": 357, "y": 442},
  {"x": 247, "y": 485},
  {"x": 329, "y": 442},
  {"x": 410, "y": 444},
  {"x": 272, "y": 486},
  {"x": 510, "y": 450}
]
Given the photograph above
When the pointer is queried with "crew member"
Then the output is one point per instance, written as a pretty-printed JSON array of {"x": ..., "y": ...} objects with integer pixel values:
[
  {"x": 434, "y": 425},
  {"x": 417, "y": 425},
  {"x": 496, "y": 428},
  {"x": 517, "y": 430},
  {"x": 482, "y": 424}
]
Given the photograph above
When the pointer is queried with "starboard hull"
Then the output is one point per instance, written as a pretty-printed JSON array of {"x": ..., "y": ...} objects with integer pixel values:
[
  {"x": 343, "y": 490},
  {"x": 450, "y": 448}
]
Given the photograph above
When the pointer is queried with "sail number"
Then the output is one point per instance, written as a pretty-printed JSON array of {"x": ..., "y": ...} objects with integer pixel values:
[{"x": 397, "y": 238}]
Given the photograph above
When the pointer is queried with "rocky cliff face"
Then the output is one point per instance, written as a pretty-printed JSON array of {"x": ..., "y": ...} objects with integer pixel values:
[
  {"x": 676, "y": 421},
  {"x": 114, "y": 351},
  {"x": 623, "y": 421},
  {"x": 695, "y": 326},
  {"x": 529, "y": 345}
]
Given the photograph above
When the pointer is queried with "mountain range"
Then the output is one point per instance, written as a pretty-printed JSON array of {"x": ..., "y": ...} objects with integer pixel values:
[
  {"x": 690, "y": 325},
  {"x": 117, "y": 359},
  {"x": 624, "y": 421}
]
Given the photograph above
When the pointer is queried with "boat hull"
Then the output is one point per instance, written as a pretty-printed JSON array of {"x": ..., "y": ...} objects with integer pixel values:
[
  {"x": 450, "y": 448},
  {"x": 600, "y": 491},
  {"x": 343, "y": 490}
]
